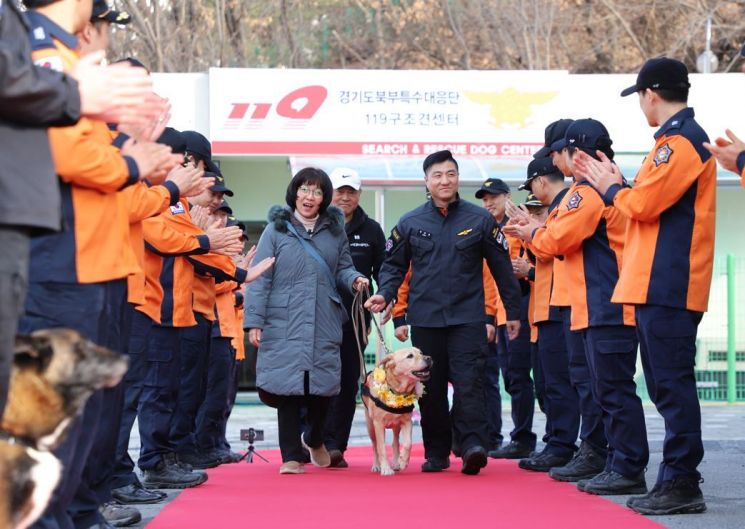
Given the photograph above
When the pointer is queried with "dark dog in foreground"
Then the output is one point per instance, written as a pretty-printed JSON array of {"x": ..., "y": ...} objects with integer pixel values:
[{"x": 54, "y": 373}]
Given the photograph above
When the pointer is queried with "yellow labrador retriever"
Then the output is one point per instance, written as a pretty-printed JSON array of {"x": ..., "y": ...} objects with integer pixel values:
[{"x": 389, "y": 394}]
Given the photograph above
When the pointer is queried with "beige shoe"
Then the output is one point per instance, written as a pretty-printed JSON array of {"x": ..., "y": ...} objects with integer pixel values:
[
  {"x": 292, "y": 467},
  {"x": 318, "y": 456}
]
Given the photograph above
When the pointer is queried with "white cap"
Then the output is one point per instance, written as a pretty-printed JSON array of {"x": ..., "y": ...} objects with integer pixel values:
[{"x": 343, "y": 176}]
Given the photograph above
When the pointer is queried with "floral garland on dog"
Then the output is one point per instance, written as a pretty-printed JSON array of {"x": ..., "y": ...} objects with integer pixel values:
[{"x": 388, "y": 396}]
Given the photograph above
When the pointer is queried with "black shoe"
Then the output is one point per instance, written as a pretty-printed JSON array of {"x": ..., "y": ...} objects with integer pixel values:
[
  {"x": 681, "y": 495},
  {"x": 582, "y": 482},
  {"x": 543, "y": 462},
  {"x": 135, "y": 494},
  {"x": 199, "y": 461},
  {"x": 586, "y": 464},
  {"x": 337, "y": 459},
  {"x": 119, "y": 515},
  {"x": 514, "y": 450},
  {"x": 435, "y": 464},
  {"x": 224, "y": 457},
  {"x": 166, "y": 476},
  {"x": 474, "y": 459},
  {"x": 614, "y": 484}
]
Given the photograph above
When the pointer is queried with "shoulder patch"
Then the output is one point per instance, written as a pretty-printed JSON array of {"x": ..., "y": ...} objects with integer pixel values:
[
  {"x": 178, "y": 209},
  {"x": 574, "y": 201},
  {"x": 53, "y": 62},
  {"x": 498, "y": 236},
  {"x": 395, "y": 234},
  {"x": 662, "y": 155}
]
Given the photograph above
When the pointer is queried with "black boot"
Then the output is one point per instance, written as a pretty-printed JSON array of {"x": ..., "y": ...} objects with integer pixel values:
[
  {"x": 514, "y": 450},
  {"x": 165, "y": 476},
  {"x": 614, "y": 484},
  {"x": 435, "y": 464},
  {"x": 680, "y": 495},
  {"x": 474, "y": 459},
  {"x": 585, "y": 464},
  {"x": 544, "y": 462},
  {"x": 137, "y": 494}
]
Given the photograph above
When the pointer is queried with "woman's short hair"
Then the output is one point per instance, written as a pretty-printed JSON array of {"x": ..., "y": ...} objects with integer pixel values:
[{"x": 310, "y": 176}]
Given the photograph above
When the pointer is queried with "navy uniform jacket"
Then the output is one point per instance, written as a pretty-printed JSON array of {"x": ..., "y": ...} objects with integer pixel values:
[{"x": 446, "y": 253}]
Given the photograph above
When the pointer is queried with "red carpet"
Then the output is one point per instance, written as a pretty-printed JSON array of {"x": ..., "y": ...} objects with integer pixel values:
[{"x": 255, "y": 496}]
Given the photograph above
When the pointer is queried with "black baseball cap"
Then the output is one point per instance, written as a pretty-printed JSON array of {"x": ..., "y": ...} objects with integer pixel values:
[
  {"x": 532, "y": 201},
  {"x": 197, "y": 144},
  {"x": 174, "y": 139},
  {"x": 102, "y": 12},
  {"x": 587, "y": 134},
  {"x": 555, "y": 131},
  {"x": 224, "y": 206},
  {"x": 661, "y": 72},
  {"x": 492, "y": 186},
  {"x": 538, "y": 167},
  {"x": 219, "y": 186}
]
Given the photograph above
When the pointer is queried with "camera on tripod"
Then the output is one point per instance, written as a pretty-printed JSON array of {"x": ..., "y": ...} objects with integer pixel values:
[{"x": 252, "y": 435}]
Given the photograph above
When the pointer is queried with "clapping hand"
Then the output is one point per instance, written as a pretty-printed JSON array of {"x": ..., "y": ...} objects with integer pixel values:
[
  {"x": 727, "y": 151},
  {"x": 601, "y": 174}
]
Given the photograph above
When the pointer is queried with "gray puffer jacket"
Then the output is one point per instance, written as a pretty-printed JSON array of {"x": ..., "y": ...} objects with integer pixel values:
[{"x": 299, "y": 312}]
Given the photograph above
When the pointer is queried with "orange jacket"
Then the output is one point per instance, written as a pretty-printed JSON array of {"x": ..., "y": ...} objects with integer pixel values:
[
  {"x": 516, "y": 250},
  {"x": 590, "y": 236},
  {"x": 490, "y": 298},
  {"x": 669, "y": 249},
  {"x": 239, "y": 341},
  {"x": 169, "y": 276},
  {"x": 93, "y": 245},
  {"x": 549, "y": 285},
  {"x": 225, "y": 310}
]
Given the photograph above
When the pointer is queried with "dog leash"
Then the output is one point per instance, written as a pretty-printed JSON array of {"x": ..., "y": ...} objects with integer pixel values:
[{"x": 359, "y": 324}]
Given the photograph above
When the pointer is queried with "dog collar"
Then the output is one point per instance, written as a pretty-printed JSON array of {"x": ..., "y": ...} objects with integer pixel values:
[
  {"x": 13, "y": 440},
  {"x": 400, "y": 410}
]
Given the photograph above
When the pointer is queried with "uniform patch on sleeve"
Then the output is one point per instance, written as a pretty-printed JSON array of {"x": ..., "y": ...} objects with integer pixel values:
[
  {"x": 388, "y": 245},
  {"x": 395, "y": 235},
  {"x": 663, "y": 155},
  {"x": 500, "y": 238},
  {"x": 53, "y": 62},
  {"x": 574, "y": 201}
]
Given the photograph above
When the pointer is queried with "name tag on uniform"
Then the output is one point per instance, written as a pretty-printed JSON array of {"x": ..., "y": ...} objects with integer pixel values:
[
  {"x": 178, "y": 209},
  {"x": 53, "y": 63}
]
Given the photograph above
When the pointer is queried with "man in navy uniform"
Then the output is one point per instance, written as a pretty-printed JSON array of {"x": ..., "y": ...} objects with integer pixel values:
[{"x": 445, "y": 241}]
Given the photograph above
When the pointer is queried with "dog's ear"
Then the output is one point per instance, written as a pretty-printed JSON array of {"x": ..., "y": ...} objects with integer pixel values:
[
  {"x": 37, "y": 346},
  {"x": 388, "y": 361}
]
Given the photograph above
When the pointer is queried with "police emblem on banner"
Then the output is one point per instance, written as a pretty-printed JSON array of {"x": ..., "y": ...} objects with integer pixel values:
[
  {"x": 574, "y": 201},
  {"x": 662, "y": 155}
]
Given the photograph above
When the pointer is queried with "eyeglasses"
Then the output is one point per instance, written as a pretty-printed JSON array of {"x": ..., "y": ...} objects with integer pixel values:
[{"x": 306, "y": 191}]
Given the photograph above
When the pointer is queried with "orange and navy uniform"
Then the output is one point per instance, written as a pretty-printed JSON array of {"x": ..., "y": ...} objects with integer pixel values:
[
  {"x": 491, "y": 295},
  {"x": 516, "y": 249},
  {"x": 590, "y": 236},
  {"x": 225, "y": 310},
  {"x": 671, "y": 209},
  {"x": 169, "y": 276},
  {"x": 93, "y": 246},
  {"x": 140, "y": 202},
  {"x": 239, "y": 341},
  {"x": 547, "y": 285},
  {"x": 741, "y": 167}
]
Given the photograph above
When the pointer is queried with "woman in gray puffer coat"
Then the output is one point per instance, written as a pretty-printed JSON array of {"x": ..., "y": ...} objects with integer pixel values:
[{"x": 294, "y": 313}]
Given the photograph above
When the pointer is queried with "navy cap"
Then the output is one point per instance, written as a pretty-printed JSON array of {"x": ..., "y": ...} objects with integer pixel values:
[
  {"x": 174, "y": 139},
  {"x": 661, "y": 72},
  {"x": 532, "y": 201},
  {"x": 554, "y": 132},
  {"x": 197, "y": 144},
  {"x": 212, "y": 167},
  {"x": 219, "y": 186},
  {"x": 492, "y": 186},
  {"x": 587, "y": 134},
  {"x": 224, "y": 206},
  {"x": 538, "y": 167},
  {"x": 102, "y": 12}
]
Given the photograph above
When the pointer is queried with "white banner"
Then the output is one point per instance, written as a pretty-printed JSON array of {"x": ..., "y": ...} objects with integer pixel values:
[{"x": 413, "y": 113}]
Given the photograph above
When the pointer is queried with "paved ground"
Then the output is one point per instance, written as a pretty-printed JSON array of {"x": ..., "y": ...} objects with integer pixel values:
[{"x": 723, "y": 466}]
